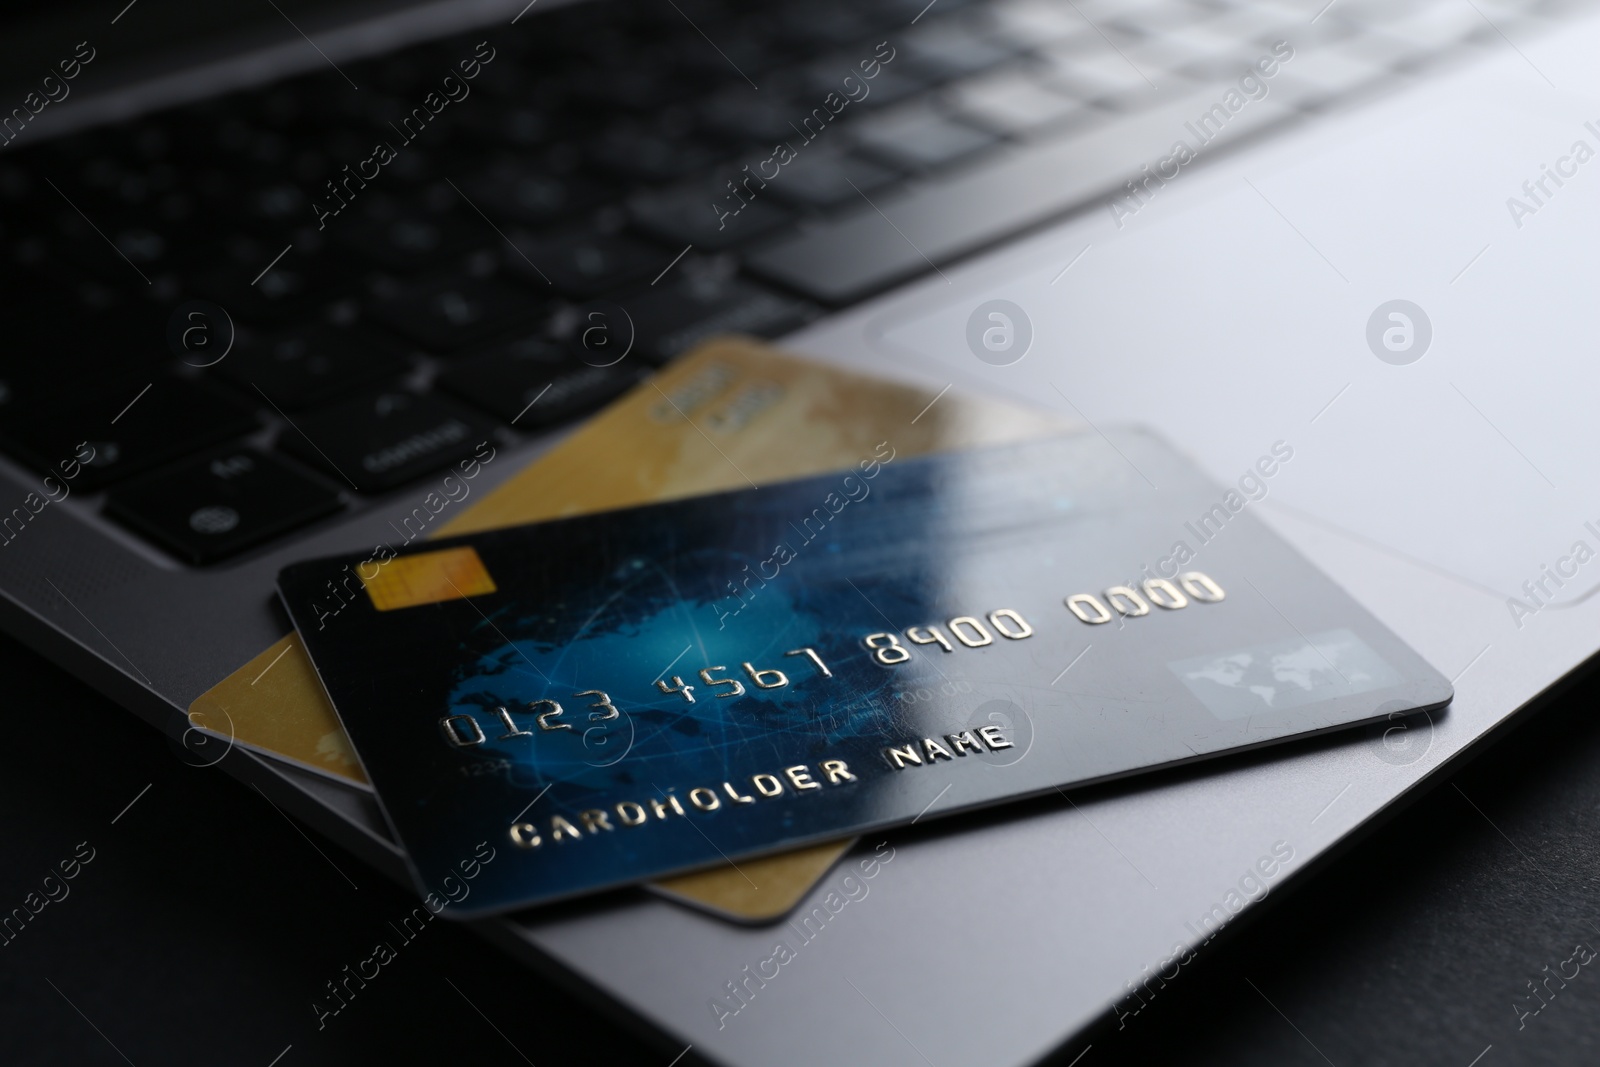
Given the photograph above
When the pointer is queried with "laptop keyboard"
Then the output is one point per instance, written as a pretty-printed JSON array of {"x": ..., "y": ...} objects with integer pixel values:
[{"x": 702, "y": 168}]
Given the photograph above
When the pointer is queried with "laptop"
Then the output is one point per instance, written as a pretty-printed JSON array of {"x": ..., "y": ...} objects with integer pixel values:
[{"x": 1342, "y": 228}]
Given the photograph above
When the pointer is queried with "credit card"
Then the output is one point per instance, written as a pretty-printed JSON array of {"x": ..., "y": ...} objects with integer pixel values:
[
  {"x": 628, "y": 695},
  {"x": 735, "y": 404},
  {"x": 731, "y": 405}
]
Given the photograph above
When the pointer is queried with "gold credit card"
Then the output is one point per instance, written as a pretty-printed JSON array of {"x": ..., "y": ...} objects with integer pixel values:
[{"x": 731, "y": 413}]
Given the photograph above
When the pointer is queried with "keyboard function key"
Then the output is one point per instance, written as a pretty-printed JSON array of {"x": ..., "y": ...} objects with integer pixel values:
[
  {"x": 216, "y": 506},
  {"x": 381, "y": 440}
]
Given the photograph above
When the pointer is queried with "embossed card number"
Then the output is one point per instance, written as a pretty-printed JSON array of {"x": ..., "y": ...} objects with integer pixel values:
[
  {"x": 1196, "y": 587},
  {"x": 464, "y": 731},
  {"x": 887, "y": 649},
  {"x": 1199, "y": 587}
]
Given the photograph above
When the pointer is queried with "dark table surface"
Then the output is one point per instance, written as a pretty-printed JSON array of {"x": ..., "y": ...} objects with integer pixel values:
[{"x": 206, "y": 924}]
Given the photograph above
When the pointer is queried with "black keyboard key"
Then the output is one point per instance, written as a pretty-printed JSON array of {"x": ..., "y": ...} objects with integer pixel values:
[
  {"x": 527, "y": 127},
  {"x": 532, "y": 383},
  {"x": 273, "y": 207},
  {"x": 287, "y": 291},
  {"x": 260, "y": 282},
  {"x": 131, "y": 426},
  {"x": 948, "y": 49},
  {"x": 669, "y": 319},
  {"x": 312, "y": 366},
  {"x": 106, "y": 186},
  {"x": 819, "y": 26},
  {"x": 513, "y": 193},
  {"x": 712, "y": 68},
  {"x": 450, "y": 313},
  {"x": 1017, "y": 104},
  {"x": 243, "y": 146},
  {"x": 919, "y": 138},
  {"x": 213, "y": 507},
  {"x": 651, "y": 156},
  {"x": 283, "y": 107},
  {"x": 382, "y": 440},
  {"x": 409, "y": 239},
  {"x": 888, "y": 85},
  {"x": 824, "y": 179},
  {"x": 70, "y": 334},
  {"x": 709, "y": 216},
  {"x": 740, "y": 114},
  {"x": 583, "y": 263},
  {"x": 644, "y": 88},
  {"x": 134, "y": 251}
]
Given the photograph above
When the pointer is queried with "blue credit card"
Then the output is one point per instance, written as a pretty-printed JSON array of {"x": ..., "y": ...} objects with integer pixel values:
[{"x": 623, "y": 696}]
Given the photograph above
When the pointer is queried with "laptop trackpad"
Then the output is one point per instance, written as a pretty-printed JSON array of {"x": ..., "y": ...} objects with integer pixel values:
[{"x": 1253, "y": 305}]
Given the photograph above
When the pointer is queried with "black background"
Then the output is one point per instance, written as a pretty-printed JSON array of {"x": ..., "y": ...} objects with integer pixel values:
[{"x": 206, "y": 925}]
